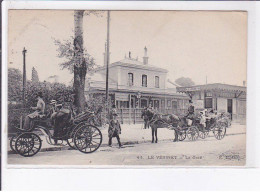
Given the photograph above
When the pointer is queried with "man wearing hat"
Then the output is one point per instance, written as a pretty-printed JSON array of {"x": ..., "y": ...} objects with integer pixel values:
[
  {"x": 38, "y": 110},
  {"x": 190, "y": 114},
  {"x": 190, "y": 110},
  {"x": 114, "y": 127}
]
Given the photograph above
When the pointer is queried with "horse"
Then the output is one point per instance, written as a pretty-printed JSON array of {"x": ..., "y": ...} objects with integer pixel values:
[
  {"x": 147, "y": 116},
  {"x": 157, "y": 120}
]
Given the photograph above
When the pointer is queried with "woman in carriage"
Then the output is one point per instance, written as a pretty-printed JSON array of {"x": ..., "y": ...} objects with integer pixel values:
[{"x": 39, "y": 110}]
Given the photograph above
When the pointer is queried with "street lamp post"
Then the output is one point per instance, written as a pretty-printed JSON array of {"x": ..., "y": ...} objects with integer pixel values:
[
  {"x": 24, "y": 74},
  {"x": 107, "y": 65}
]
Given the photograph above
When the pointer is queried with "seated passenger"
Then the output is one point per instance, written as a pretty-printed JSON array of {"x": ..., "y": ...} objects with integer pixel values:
[
  {"x": 203, "y": 119},
  {"x": 39, "y": 110}
]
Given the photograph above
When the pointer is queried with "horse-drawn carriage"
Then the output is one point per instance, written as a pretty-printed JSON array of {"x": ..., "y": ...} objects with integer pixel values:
[
  {"x": 196, "y": 129},
  {"x": 183, "y": 126},
  {"x": 79, "y": 132}
]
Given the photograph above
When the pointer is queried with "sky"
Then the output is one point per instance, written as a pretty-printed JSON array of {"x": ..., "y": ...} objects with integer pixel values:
[{"x": 194, "y": 44}]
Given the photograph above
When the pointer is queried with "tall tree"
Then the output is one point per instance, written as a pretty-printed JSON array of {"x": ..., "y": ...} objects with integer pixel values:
[
  {"x": 80, "y": 67},
  {"x": 78, "y": 60},
  {"x": 35, "y": 77},
  {"x": 184, "y": 81}
]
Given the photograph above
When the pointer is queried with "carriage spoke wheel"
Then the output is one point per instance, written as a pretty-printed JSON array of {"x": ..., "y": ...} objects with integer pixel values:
[
  {"x": 70, "y": 139},
  {"x": 12, "y": 143},
  {"x": 28, "y": 144},
  {"x": 87, "y": 138},
  {"x": 219, "y": 132},
  {"x": 181, "y": 135},
  {"x": 203, "y": 134},
  {"x": 193, "y": 133}
]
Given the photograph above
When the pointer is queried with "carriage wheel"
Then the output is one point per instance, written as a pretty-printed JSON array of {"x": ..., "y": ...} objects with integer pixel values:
[
  {"x": 181, "y": 135},
  {"x": 28, "y": 144},
  {"x": 87, "y": 138},
  {"x": 12, "y": 143},
  {"x": 70, "y": 139},
  {"x": 203, "y": 134},
  {"x": 193, "y": 133},
  {"x": 71, "y": 134},
  {"x": 220, "y": 132}
]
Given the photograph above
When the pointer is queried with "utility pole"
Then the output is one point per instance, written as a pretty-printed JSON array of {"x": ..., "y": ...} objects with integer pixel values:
[
  {"x": 107, "y": 53},
  {"x": 24, "y": 75}
]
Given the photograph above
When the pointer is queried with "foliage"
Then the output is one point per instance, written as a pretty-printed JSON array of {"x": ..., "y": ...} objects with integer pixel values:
[
  {"x": 35, "y": 77},
  {"x": 184, "y": 81},
  {"x": 97, "y": 103},
  {"x": 65, "y": 50},
  {"x": 14, "y": 85},
  {"x": 51, "y": 91}
]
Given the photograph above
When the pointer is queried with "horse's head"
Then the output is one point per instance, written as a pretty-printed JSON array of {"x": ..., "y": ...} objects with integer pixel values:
[{"x": 147, "y": 114}]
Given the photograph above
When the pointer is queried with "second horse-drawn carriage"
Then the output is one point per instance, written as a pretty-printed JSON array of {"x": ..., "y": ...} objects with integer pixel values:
[
  {"x": 184, "y": 126},
  {"x": 78, "y": 131}
]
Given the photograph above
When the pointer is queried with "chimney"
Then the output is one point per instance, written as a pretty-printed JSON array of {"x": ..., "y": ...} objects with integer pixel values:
[
  {"x": 244, "y": 83},
  {"x": 145, "y": 58},
  {"x": 129, "y": 55}
]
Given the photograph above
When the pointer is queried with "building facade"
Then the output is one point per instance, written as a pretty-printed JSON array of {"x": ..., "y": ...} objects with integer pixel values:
[
  {"x": 220, "y": 97},
  {"x": 134, "y": 84}
]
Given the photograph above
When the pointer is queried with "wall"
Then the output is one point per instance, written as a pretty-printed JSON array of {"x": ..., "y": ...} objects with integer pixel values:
[
  {"x": 138, "y": 77},
  {"x": 222, "y": 104}
]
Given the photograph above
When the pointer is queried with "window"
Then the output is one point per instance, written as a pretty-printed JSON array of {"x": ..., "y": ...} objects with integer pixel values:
[
  {"x": 130, "y": 79},
  {"x": 174, "y": 105},
  {"x": 144, "y": 80},
  {"x": 157, "y": 81},
  {"x": 168, "y": 103},
  {"x": 208, "y": 103}
]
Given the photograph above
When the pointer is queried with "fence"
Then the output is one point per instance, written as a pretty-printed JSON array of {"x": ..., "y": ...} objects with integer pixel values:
[{"x": 133, "y": 115}]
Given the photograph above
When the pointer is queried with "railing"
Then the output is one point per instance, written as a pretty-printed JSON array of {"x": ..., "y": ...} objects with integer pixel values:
[{"x": 133, "y": 115}]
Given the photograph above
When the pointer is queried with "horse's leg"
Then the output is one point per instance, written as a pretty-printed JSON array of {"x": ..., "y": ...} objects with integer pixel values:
[
  {"x": 152, "y": 134},
  {"x": 176, "y": 135},
  {"x": 156, "y": 135}
]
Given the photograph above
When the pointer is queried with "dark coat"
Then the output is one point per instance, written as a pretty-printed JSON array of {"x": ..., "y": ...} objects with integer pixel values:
[{"x": 114, "y": 128}]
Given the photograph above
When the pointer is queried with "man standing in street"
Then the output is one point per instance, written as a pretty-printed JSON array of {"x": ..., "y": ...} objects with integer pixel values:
[{"x": 114, "y": 127}]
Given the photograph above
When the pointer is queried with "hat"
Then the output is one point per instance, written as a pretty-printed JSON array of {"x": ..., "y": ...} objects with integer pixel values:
[
  {"x": 190, "y": 101},
  {"x": 39, "y": 94},
  {"x": 53, "y": 102},
  {"x": 58, "y": 105}
]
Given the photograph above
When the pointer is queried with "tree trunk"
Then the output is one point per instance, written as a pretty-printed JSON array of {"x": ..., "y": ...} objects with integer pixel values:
[{"x": 80, "y": 69}]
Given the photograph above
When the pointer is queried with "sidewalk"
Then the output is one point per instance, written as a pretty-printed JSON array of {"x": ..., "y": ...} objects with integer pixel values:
[{"x": 135, "y": 134}]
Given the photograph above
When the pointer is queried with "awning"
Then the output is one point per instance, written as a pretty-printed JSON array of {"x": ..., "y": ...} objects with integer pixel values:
[{"x": 122, "y": 97}]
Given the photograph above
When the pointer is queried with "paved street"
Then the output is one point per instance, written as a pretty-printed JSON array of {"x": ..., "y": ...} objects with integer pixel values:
[{"x": 229, "y": 151}]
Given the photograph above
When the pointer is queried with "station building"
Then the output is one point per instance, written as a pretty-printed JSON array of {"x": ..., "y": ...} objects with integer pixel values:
[
  {"x": 220, "y": 97},
  {"x": 135, "y": 84}
]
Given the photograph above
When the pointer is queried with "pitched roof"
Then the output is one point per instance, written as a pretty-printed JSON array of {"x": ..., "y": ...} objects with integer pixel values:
[
  {"x": 214, "y": 86},
  {"x": 133, "y": 63}
]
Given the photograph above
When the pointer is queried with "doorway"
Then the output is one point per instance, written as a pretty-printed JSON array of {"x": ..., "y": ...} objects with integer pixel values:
[{"x": 230, "y": 106}]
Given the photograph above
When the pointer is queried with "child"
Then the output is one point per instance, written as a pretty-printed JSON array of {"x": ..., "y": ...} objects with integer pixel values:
[
  {"x": 203, "y": 119},
  {"x": 114, "y": 127}
]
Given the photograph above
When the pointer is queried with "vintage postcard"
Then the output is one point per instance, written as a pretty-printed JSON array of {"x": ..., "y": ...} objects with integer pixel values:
[{"x": 127, "y": 88}]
